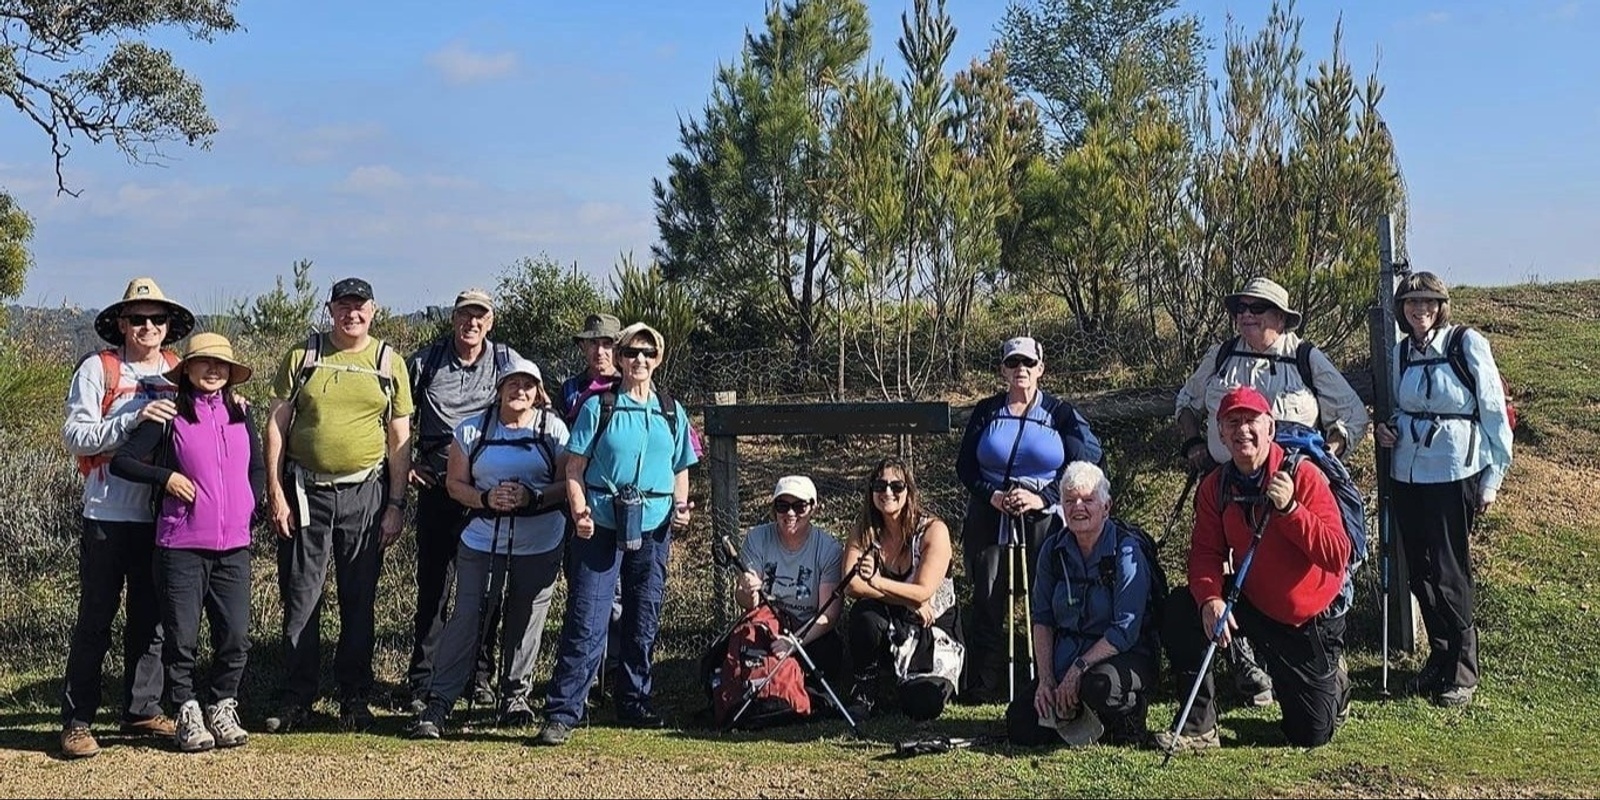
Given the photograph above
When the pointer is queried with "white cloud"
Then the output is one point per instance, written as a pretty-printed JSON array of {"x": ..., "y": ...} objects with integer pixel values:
[
  {"x": 459, "y": 64},
  {"x": 372, "y": 179},
  {"x": 325, "y": 142}
]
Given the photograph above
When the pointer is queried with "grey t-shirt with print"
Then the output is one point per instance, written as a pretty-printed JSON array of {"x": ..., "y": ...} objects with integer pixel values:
[{"x": 793, "y": 579}]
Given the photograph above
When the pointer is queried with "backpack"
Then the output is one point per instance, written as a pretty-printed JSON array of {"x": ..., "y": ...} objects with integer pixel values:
[
  {"x": 111, "y": 367},
  {"x": 1156, "y": 603},
  {"x": 608, "y": 409},
  {"x": 1301, "y": 360},
  {"x": 1455, "y": 354},
  {"x": 487, "y": 423},
  {"x": 440, "y": 350},
  {"x": 1302, "y": 443},
  {"x": 748, "y": 659},
  {"x": 313, "y": 360}
]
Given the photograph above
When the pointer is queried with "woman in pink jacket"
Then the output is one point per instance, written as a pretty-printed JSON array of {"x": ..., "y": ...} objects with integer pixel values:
[{"x": 207, "y": 467}]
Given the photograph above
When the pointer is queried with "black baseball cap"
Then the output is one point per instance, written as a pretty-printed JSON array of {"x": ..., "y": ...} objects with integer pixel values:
[{"x": 351, "y": 287}]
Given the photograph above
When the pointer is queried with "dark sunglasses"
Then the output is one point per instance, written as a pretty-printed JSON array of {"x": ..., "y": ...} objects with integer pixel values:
[
  {"x": 1254, "y": 308},
  {"x": 799, "y": 507},
  {"x": 139, "y": 319},
  {"x": 880, "y": 486},
  {"x": 1020, "y": 361},
  {"x": 635, "y": 352}
]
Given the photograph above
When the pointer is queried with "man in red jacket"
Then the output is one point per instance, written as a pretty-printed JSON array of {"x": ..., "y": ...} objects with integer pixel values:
[{"x": 1296, "y": 573}]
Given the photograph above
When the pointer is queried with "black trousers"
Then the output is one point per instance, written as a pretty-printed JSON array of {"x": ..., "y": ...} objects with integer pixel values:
[
  {"x": 985, "y": 562},
  {"x": 340, "y": 529},
  {"x": 111, "y": 554},
  {"x": 1304, "y": 663},
  {"x": 439, "y": 522},
  {"x": 217, "y": 582},
  {"x": 1434, "y": 521},
  {"x": 871, "y": 625},
  {"x": 1117, "y": 690}
]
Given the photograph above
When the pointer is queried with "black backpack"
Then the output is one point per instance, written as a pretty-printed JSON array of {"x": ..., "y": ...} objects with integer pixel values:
[
  {"x": 1301, "y": 360},
  {"x": 608, "y": 409}
]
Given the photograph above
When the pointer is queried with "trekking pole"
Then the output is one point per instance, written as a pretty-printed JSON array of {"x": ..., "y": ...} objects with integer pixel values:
[
  {"x": 1021, "y": 542},
  {"x": 1219, "y": 627},
  {"x": 1177, "y": 508},
  {"x": 483, "y": 608},
  {"x": 1006, "y": 535}
]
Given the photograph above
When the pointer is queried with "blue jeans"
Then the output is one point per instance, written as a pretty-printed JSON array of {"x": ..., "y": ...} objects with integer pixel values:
[{"x": 595, "y": 566}]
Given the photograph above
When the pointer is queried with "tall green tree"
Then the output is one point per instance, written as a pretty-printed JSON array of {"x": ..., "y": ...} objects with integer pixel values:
[
  {"x": 85, "y": 69},
  {"x": 1063, "y": 53},
  {"x": 16, "y": 228},
  {"x": 740, "y": 212},
  {"x": 540, "y": 304}
]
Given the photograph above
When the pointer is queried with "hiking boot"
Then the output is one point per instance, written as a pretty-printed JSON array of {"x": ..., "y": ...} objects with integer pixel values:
[
  {"x": 191, "y": 735},
  {"x": 77, "y": 741},
  {"x": 1430, "y": 679},
  {"x": 423, "y": 728},
  {"x": 355, "y": 717},
  {"x": 1187, "y": 742},
  {"x": 223, "y": 721},
  {"x": 287, "y": 719},
  {"x": 1256, "y": 685},
  {"x": 516, "y": 714},
  {"x": 859, "y": 706},
  {"x": 642, "y": 718},
  {"x": 158, "y": 725},
  {"x": 552, "y": 734},
  {"x": 1341, "y": 681},
  {"x": 483, "y": 696},
  {"x": 1455, "y": 696}
]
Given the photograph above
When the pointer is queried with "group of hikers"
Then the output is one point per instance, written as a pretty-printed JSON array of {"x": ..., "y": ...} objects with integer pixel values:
[{"x": 516, "y": 486}]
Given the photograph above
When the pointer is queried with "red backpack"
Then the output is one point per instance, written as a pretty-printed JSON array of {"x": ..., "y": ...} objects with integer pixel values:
[
  {"x": 111, "y": 365},
  {"x": 748, "y": 661}
]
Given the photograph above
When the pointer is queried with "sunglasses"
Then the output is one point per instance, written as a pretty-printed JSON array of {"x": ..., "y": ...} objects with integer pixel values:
[
  {"x": 139, "y": 319},
  {"x": 635, "y": 352},
  {"x": 893, "y": 487},
  {"x": 1020, "y": 361},
  {"x": 799, "y": 507},
  {"x": 1254, "y": 308}
]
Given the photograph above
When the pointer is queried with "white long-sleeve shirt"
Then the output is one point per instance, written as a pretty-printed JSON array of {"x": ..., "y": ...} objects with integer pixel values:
[
  {"x": 86, "y": 433},
  {"x": 1454, "y": 450}
]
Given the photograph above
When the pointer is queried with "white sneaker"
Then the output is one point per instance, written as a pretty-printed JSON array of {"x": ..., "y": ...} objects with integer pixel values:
[
  {"x": 192, "y": 736},
  {"x": 223, "y": 720}
]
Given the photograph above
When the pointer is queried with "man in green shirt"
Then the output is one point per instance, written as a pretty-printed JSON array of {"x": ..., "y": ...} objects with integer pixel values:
[{"x": 338, "y": 452}]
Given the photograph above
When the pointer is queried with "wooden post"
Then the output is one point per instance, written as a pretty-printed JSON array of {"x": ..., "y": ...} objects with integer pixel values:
[
  {"x": 724, "y": 455},
  {"x": 1402, "y": 625}
]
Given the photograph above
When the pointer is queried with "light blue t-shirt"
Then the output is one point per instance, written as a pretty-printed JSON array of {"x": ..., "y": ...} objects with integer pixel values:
[
  {"x": 639, "y": 447},
  {"x": 513, "y": 454}
]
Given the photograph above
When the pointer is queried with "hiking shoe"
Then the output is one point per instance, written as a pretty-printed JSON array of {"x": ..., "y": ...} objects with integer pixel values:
[
  {"x": 1256, "y": 685},
  {"x": 1429, "y": 680},
  {"x": 223, "y": 721},
  {"x": 483, "y": 696},
  {"x": 355, "y": 717},
  {"x": 191, "y": 735},
  {"x": 287, "y": 719},
  {"x": 78, "y": 742},
  {"x": 516, "y": 714},
  {"x": 1341, "y": 681},
  {"x": 423, "y": 728},
  {"x": 859, "y": 706},
  {"x": 642, "y": 718},
  {"x": 1455, "y": 696},
  {"x": 1185, "y": 743},
  {"x": 552, "y": 734},
  {"x": 158, "y": 725}
]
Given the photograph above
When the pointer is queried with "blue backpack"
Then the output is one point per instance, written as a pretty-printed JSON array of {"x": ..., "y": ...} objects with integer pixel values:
[{"x": 1304, "y": 443}]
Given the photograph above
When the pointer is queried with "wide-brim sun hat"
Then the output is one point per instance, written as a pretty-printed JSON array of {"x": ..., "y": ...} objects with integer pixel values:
[
  {"x": 1270, "y": 291},
  {"x": 143, "y": 290},
  {"x": 1082, "y": 727},
  {"x": 217, "y": 346}
]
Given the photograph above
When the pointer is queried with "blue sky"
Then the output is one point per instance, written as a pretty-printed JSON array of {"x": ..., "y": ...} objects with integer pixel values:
[{"x": 426, "y": 146}]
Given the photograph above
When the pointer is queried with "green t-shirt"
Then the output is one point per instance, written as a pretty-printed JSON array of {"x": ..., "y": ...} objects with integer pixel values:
[{"x": 340, "y": 414}]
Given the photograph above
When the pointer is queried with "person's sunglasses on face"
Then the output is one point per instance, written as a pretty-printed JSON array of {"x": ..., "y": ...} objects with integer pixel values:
[
  {"x": 892, "y": 487},
  {"x": 1020, "y": 361},
  {"x": 1257, "y": 308},
  {"x": 139, "y": 319},
  {"x": 799, "y": 507},
  {"x": 635, "y": 352}
]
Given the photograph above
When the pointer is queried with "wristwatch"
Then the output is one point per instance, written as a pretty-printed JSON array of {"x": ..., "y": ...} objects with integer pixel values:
[
  {"x": 398, "y": 502},
  {"x": 1080, "y": 664}
]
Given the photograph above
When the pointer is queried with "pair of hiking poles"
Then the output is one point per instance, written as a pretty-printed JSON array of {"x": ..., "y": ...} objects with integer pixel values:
[
  {"x": 1014, "y": 541},
  {"x": 490, "y": 603}
]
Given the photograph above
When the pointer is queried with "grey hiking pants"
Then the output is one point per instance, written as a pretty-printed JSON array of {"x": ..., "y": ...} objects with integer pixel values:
[{"x": 532, "y": 581}]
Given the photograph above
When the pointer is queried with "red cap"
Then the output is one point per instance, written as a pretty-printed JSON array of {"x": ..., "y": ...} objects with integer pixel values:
[{"x": 1245, "y": 398}]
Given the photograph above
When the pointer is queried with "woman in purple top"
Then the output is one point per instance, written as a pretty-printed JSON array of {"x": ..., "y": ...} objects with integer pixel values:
[{"x": 207, "y": 467}]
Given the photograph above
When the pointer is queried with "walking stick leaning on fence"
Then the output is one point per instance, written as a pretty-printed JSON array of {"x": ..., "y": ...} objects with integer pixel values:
[
  {"x": 729, "y": 554},
  {"x": 1264, "y": 511}
]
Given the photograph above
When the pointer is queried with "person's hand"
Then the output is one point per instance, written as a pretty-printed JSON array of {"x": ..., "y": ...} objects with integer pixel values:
[
  {"x": 1384, "y": 434},
  {"x": 1198, "y": 458},
  {"x": 925, "y": 614},
  {"x": 1336, "y": 443},
  {"x": 180, "y": 487},
  {"x": 1280, "y": 491},
  {"x": 999, "y": 499},
  {"x": 680, "y": 516},
  {"x": 1480, "y": 497},
  {"x": 515, "y": 495},
  {"x": 1021, "y": 501},
  {"x": 389, "y": 528},
  {"x": 278, "y": 514},
  {"x": 422, "y": 478},
  {"x": 1044, "y": 698},
  {"x": 1067, "y": 692},
  {"x": 158, "y": 411},
  {"x": 1210, "y": 613},
  {"x": 583, "y": 523},
  {"x": 750, "y": 582},
  {"x": 783, "y": 645}
]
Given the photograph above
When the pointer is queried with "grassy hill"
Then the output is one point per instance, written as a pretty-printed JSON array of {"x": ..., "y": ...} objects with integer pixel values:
[{"x": 1534, "y": 730}]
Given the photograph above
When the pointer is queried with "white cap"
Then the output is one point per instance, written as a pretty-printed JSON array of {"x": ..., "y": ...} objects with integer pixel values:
[
  {"x": 797, "y": 486},
  {"x": 519, "y": 366},
  {"x": 1025, "y": 345}
]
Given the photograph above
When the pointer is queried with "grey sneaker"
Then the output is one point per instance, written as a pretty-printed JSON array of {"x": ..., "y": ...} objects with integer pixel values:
[
  {"x": 1183, "y": 743},
  {"x": 192, "y": 736},
  {"x": 223, "y": 721},
  {"x": 552, "y": 734},
  {"x": 1455, "y": 696}
]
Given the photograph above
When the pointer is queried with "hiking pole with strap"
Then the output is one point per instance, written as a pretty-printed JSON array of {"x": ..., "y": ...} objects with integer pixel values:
[
  {"x": 1220, "y": 626},
  {"x": 1007, "y": 540},
  {"x": 798, "y": 637},
  {"x": 1019, "y": 537},
  {"x": 483, "y": 612}
]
